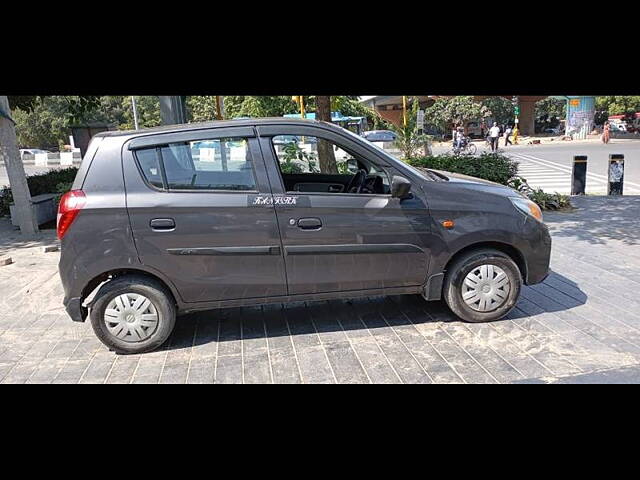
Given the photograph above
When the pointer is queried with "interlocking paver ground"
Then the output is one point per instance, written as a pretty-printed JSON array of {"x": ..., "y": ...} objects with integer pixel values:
[{"x": 581, "y": 325}]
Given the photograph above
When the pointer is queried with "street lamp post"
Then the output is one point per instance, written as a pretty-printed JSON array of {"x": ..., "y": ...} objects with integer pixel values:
[{"x": 135, "y": 112}]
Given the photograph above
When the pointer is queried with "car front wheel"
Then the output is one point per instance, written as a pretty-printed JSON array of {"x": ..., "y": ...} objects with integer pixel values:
[
  {"x": 133, "y": 314},
  {"x": 482, "y": 286}
]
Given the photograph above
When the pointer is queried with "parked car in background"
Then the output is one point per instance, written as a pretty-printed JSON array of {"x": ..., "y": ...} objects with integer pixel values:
[
  {"x": 618, "y": 127},
  {"x": 380, "y": 136},
  {"x": 31, "y": 151},
  {"x": 554, "y": 130},
  {"x": 146, "y": 233}
]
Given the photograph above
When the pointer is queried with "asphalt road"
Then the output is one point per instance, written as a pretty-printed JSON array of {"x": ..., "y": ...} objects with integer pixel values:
[{"x": 549, "y": 166}]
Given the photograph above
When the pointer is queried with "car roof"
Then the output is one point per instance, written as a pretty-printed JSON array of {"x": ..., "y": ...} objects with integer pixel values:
[{"x": 218, "y": 124}]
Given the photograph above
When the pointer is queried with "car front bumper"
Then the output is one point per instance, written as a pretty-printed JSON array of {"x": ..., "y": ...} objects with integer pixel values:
[{"x": 539, "y": 258}]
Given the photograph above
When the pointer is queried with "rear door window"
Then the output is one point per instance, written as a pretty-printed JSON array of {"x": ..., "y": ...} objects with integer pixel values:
[{"x": 216, "y": 164}]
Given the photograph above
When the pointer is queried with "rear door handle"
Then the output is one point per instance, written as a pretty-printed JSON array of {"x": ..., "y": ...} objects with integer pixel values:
[
  {"x": 310, "y": 223},
  {"x": 162, "y": 224}
]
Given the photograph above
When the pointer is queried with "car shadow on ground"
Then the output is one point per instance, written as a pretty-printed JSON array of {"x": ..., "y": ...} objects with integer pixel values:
[
  {"x": 344, "y": 320},
  {"x": 599, "y": 219}
]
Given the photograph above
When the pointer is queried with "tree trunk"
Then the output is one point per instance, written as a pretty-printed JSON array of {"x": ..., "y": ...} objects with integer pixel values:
[
  {"x": 10, "y": 155},
  {"x": 327, "y": 158}
]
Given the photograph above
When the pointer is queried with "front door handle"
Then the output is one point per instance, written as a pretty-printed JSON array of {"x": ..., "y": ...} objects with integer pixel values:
[
  {"x": 162, "y": 224},
  {"x": 310, "y": 223}
]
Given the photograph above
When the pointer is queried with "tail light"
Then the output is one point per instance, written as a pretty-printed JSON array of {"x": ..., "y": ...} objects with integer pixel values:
[{"x": 70, "y": 205}]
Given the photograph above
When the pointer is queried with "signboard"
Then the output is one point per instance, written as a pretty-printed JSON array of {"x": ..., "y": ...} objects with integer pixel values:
[{"x": 574, "y": 102}]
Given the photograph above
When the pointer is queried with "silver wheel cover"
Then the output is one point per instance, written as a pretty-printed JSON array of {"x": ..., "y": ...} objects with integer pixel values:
[
  {"x": 131, "y": 317},
  {"x": 486, "y": 288}
]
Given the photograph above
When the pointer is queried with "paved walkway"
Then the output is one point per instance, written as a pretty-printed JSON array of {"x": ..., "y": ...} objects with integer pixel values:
[{"x": 581, "y": 325}]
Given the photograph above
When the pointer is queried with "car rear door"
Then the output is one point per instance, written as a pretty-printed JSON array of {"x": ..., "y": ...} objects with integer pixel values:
[
  {"x": 338, "y": 242},
  {"x": 191, "y": 198}
]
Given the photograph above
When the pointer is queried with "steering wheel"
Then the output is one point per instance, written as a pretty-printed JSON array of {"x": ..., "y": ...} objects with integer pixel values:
[{"x": 357, "y": 181}]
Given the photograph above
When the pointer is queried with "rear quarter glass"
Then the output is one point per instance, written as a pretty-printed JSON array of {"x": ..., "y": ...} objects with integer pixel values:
[{"x": 86, "y": 162}]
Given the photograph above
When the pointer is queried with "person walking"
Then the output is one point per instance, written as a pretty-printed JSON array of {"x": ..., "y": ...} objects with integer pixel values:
[
  {"x": 507, "y": 134},
  {"x": 606, "y": 132},
  {"x": 494, "y": 136}
]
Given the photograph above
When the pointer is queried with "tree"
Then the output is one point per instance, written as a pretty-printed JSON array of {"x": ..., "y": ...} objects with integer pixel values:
[
  {"x": 448, "y": 112},
  {"x": 325, "y": 149},
  {"x": 500, "y": 109},
  {"x": 258, "y": 106},
  {"x": 549, "y": 111},
  {"x": 10, "y": 156},
  {"x": 202, "y": 108},
  {"x": 410, "y": 141},
  {"x": 615, "y": 105}
]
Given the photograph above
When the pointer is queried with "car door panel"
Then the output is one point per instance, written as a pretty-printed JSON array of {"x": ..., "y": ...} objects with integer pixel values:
[
  {"x": 215, "y": 245},
  {"x": 363, "y": 243}
]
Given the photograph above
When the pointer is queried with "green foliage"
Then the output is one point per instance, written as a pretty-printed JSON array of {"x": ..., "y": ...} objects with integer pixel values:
[
  {"x": 54, "y": 181},
  {"x": 549, "y": 108},
  {"x": 446, "y": 112},
  {"x": 550, "y": 201},
  {"x": 500, "y": 109},
  {"x": 47, "y": 122},
  {"x": 260, "y": 106},
  {"x": 293, "y": 155},
  {"x": 489, "y": 166},
  {"x": 44, "y": 125},
  {"x": 201, "y": 108},
  {"x": 615, "y": 105}
]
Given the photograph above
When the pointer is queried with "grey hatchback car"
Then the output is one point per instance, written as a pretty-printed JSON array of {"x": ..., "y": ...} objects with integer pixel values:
[{"x": 231, "y": 213}]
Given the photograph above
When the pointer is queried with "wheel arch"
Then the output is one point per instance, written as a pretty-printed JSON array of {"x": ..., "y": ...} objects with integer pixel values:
[
  {"x": 505, "y": 248},
  {"x": 96, "y": 282}
]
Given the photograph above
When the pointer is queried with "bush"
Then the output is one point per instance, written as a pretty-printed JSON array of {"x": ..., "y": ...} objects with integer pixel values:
[
  {"x": 550, "y": 201},
  {"x": 489, "y": 166},
  {"x": 54, "y": 181}
]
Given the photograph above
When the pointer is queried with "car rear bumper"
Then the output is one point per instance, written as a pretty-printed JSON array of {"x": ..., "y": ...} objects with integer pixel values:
[{"x": 74, "y": 308}]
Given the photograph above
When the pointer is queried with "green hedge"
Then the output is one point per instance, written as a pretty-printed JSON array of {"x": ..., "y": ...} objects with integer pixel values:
[
  {"x": 54, "y": 181},
  {"x": 493, "y": 167}
]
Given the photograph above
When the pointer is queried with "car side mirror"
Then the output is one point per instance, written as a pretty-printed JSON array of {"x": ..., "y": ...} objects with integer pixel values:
[
  {"x": 400, "y": 187},
  {"x": 352, "y": 165}
]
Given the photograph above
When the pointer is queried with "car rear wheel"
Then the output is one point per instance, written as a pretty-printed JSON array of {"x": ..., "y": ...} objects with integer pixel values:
[
  {"x": 133, "y": 314},
  {"x": 482, "y": 286}
]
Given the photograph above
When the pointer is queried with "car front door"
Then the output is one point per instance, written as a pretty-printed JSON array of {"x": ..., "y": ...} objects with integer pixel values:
[
  {"x": 335, "y": 240},
  {"x": 191, "y": 203}
]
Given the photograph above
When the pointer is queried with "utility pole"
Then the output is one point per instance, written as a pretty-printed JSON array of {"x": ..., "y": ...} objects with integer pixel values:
[
  {"x": 10, "y": 154},
  {"x": 299, "y": 99},
  {"x": 135, "y": 112},
  {"x": 404, "y": 111}
]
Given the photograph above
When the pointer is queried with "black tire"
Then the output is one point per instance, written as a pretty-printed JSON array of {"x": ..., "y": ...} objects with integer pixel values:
[
  {"x": 457, "y": 272},
  {"x": 472, "y": 149},
  {"x": 159, "y": 296}
]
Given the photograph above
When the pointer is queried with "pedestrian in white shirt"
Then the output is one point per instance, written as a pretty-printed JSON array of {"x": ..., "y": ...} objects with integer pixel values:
[{"x": 494, "y": 136}]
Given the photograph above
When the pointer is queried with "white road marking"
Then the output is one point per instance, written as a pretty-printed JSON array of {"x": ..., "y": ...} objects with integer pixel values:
[{"x": 551, "y": 176}]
